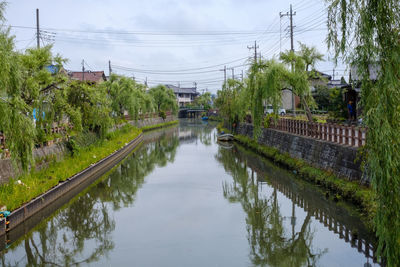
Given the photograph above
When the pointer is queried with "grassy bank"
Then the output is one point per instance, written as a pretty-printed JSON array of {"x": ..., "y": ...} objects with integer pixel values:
[
  {"x": 28, "y": 186},
  {"x": 160, "y": 125},
  {"x": 360, "y": 195}
]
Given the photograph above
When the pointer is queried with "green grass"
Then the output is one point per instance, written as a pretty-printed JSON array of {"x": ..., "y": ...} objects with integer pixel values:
[
  {"x": 353, "y": 192},
  {"x": 160, "y": 125},
  {"x": 14, "y": 195}
]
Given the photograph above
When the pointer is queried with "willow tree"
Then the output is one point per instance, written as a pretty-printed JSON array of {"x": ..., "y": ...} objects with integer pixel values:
[
  {"x": 266, "y": 81},
  {"x": 92, "y": 103},
  {"x": 298, "y": 79},
  {"x": 366, "y": 34},
  {"x": 42, "y": 89},
  {"x": 231, "y": 101},
  {"x": 15, "y": 122},
  {"x": 127, "y": 95},
  {"x": 163, "y": 98}
]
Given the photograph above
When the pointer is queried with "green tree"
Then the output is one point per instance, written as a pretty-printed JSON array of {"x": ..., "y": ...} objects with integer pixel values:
[
  {"x": 366, "y": 35},
  {"x": 298, "y": 80},
  {"x": 310, "y": 55},
  {"x": 231, "y": 101},
  {"x": 321, "y": 96},
  {"x": 164, "y": 98},
  {"x": 15, "y": 120},
  {"x": 204, "y": 100},
  {"x": 93, "y": 104},
  {"x": 266, "y": 81},
  {"x": 127, "y": 95}
]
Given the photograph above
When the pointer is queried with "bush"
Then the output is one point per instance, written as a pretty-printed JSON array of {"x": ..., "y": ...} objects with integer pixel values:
[{"x": 162, "y": 114}]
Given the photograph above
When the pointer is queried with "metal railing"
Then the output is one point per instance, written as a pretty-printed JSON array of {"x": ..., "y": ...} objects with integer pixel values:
[{"x": 335, "y": 133}]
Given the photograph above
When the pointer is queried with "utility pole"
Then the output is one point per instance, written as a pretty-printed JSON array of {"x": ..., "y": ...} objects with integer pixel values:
[
  {"x": 242, "y": 76},
  {"x": 224, "y": 70},
  {"x": 290, "y": 15},
  {"x": 233, "y": 73},
  {"x": 37, "y": 28},
  {"x": 195, "y": 85},
  {"x": 109, "y": 68},
  {"x": 83, "y": 70},
  {"x": 291, "y": 28},
  {"x": 333, "y": 74},
  {"x": 145, "y": 82},
  {"x": 255, "y": 50}
]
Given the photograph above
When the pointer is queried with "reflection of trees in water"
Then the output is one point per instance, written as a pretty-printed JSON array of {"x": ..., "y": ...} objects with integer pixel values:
[
  {"x": 270, "y": 243},
  {"x": 201, "y": 132},
  {"x": 82, "y": 232}
]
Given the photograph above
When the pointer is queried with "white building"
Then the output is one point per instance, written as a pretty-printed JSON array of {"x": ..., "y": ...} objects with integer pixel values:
[{"x": 184, "y": 96}]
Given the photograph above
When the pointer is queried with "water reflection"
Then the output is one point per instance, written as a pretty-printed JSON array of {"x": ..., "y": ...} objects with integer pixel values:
[
  {"x": 192, "y": 131},
  {"x": 164, "y": 206},
  {"x": 272, "y": 241},
  {"x": 81, "y": 233}
]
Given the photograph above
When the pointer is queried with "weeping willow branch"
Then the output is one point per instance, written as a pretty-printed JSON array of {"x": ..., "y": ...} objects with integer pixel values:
[{"x": 372, "y": 29}]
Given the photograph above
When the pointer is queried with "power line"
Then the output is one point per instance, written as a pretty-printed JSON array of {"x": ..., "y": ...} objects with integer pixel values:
[{"x": 176, "y": 33}]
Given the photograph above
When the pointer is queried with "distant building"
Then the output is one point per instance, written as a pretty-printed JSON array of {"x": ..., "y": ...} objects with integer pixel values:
[
  {"x": 184, "y": 96},
  {"x": 93, "y": 77}
]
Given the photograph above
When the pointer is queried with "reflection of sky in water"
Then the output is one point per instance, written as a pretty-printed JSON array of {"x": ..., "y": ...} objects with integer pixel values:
[{"x": 169, "y": 210}]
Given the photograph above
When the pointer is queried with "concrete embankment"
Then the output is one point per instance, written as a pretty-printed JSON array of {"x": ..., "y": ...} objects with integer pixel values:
[
  {"x": 70, "y": 187},
  {"x": 339, "y": 159},
  {"x": 91, "y": 173},
  {"x": 57, "y": 150}
]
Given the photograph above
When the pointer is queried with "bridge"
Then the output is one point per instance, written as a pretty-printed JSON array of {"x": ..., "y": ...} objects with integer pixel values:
[{"x": 190, "y": 112}]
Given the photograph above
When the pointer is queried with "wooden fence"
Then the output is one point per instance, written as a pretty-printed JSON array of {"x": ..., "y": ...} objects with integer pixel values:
[{"x": 335, "y": 133}]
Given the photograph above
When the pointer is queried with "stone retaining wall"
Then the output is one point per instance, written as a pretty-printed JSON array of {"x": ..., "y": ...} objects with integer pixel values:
[
  {"x": 152, "y": 121},
  {"x": 321, "y": 154},
  {"x": 7, "y": 169}
]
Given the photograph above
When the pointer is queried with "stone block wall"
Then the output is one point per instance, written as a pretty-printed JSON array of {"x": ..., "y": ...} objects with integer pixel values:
[
  {"x": 152, "y": 121},
  {"x": 329, "y": 156},
  {"x": 7, "y": 168}
]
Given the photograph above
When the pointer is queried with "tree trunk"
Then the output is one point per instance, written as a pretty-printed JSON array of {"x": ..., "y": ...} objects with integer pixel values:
[{"x": 307, "y": 109}]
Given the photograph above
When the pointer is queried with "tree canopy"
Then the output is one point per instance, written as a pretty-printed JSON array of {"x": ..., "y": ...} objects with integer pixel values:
[
  {"x": 164, "y": 98},
  {"x": 36, "y": 94},
  {"x": 366, "y": 35}
]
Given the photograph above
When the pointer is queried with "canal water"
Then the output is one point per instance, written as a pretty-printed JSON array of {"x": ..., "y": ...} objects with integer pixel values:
[{"x": 182, "y": 199}]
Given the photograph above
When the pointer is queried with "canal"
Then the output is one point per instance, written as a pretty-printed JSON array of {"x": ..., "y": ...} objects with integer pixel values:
[{"x": 182, "y": 199}]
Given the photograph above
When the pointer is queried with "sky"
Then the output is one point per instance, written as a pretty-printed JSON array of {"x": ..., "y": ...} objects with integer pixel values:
[{"x": 179, "y": 42}]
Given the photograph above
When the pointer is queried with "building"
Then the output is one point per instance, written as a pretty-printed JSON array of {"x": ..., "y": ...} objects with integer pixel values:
[
  {"x": 92, "y": 77},
  {"x": 184, "y": 96}
]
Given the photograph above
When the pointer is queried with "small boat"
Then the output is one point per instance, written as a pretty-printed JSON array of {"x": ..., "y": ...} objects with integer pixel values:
[
  {"x": 204, "y": 118},
  {"x": 225, "y": 137}
]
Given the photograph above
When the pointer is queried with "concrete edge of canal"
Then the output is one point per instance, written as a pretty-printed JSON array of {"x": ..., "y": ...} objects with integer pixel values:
[{"x": 91, "y": 173}]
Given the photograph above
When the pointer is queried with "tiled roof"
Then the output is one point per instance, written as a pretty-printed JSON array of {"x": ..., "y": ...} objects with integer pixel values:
[
  {"x": 181, "y": 90},
  {"x": 90, "y": 76}
]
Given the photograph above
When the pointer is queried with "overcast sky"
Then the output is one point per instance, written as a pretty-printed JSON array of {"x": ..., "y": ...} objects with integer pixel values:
[{"x": 175, "y": 41}]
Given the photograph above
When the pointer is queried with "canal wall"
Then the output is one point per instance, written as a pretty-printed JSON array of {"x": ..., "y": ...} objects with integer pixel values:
[
  {"x": 40, "y": 155},
  {"x": 87, "y": 176},
  {"x": 44, "y": 155},
  {"x": 340, "y": 159},
  {"x": 152, "y": 121}
]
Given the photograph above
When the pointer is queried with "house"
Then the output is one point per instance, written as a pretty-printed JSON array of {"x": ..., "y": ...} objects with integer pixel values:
[
  {"x": 318, "y": 78},
  {"x": 287, "y": 100},
  {"x": 184, "y": 96},
  {"x": 92, "y": 77}
]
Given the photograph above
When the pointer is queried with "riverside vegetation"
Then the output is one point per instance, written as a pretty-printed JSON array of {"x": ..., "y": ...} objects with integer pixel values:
[
  {"x": 36, "y": 94},
  {"x": 365, "y": 35}
]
